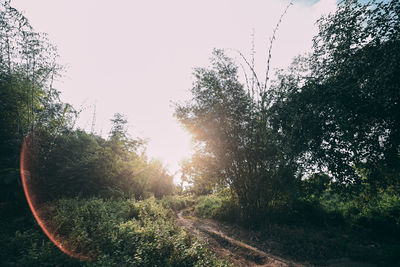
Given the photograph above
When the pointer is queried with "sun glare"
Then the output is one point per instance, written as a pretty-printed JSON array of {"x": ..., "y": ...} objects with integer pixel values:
[{"x": 171, "y": 146}]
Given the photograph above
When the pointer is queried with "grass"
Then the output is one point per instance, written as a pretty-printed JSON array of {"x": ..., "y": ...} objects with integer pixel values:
[
  {"x": 217, "y": 206},
  {"x": 318, "y": 232},
  {"x": 110, "y": 232},
  {"x": 176, "y": 203}
]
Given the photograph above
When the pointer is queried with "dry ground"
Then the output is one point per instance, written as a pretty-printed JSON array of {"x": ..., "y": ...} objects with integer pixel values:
[{"x": 242, "y": 247}]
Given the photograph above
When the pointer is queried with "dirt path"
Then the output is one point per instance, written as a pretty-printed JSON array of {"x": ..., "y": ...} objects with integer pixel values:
[{"x": 219, "y": 239}]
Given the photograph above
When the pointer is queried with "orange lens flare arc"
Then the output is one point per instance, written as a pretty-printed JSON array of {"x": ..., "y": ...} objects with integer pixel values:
[{"x": 26, "y": 177}]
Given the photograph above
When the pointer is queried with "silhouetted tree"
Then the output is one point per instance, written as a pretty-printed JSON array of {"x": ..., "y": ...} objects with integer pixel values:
[{"x": 339, "y": 112}]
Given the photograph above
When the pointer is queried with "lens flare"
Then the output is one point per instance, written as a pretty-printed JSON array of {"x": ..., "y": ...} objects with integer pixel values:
[{"x": 27, "y": 181}]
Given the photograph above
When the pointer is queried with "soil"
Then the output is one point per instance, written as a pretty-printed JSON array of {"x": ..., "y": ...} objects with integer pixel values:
[
  {"x": 242, "y": 247},
  {"x": 220, "y": 240}
]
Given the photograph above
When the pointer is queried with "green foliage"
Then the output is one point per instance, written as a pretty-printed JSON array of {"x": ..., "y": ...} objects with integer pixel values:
[
  {"x": 160, "y": 183},
  {"x": 235, "y": 146},
  {"x": 337, "y": 110},
  {"x": 218, "y": 206},
  {"x": 332, "y": 118},
  {"x": 379, "y": 216},
  {"x": 201, "y": 173},
  {"x": 314, "y": 186},
  {"x": 28, "y": 102},
  {"x": 75, "y": 163},
  {"x": 112, "y": 232},
  {"x": 177, "y": 203},
  {"x": 31, "y": 247},
  {"x": 63, "y": 161},
  {"x": 217, "y": 117}
]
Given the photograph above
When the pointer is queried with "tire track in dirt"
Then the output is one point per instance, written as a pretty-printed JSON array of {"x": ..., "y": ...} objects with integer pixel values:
[{"x": 235, "y": 251}]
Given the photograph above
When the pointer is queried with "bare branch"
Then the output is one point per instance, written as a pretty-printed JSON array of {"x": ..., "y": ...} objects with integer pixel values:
[
  {"x": 247, "y": 80},
  {"x": 271, "y": 43},
  {"x": 250, "y": 67},
  {"x": 253, "y": 52}
]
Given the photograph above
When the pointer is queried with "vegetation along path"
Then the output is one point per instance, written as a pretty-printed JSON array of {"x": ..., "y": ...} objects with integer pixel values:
[{"x": 242, "y": 247}]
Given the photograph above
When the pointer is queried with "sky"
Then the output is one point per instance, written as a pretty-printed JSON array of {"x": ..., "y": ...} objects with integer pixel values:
[{"x": 137, "y": 57}]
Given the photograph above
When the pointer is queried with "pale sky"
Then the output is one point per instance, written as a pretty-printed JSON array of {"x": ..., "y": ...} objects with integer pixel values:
[{"x": 135, "y": 57}]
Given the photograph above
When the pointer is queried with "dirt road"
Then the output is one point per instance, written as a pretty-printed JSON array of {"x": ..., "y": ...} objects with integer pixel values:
[{"x": 220, "y": 240}]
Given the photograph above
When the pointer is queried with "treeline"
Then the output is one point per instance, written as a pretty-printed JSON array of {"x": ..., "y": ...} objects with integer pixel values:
[
  {"x": 75, "y": 163},
  {"x": 325, "y": 130}
]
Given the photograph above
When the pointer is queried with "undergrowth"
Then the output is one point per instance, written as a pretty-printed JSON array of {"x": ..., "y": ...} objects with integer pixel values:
[
  {"x": 110, "y": 232},
  {"x": 318, "y": 230}
]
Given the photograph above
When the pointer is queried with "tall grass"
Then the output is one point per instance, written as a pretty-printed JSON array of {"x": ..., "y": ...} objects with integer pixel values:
[
  {"x": 218, "y": 206},
  {"x": 111, "y": 233}
]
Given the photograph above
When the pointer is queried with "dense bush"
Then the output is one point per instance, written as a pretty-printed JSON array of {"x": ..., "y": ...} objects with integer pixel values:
[
  {"x": 111, "y": 233},
  {"x": 220, "y": 206},
  {"x": 176, "y": 203},
  {"x": 77, "y": 163},
  {"x": 379, "y": 216}
]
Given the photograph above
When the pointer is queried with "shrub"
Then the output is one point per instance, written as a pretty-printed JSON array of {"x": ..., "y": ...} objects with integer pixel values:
[
  {"x": 111, "y": 233},
  {"x": 177, "y": 202},
  {"x": 218, "y": 206}
]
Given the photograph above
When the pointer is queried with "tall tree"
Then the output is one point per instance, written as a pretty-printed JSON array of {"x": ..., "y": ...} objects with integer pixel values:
[
  {"x": 233, "y": 135},
  {"x": 28, "y": 103},
  {"x": 342, "y": 116}
]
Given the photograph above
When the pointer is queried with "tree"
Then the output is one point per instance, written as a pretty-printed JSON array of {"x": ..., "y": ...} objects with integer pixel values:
[
  {"x": 30, "y": 62},
  {"x": 160, "y": 183},
  {"x": 217, "y": 116},
  {"x": 28, "y": 103},
  {"x": 235, "y": 144},
  {"x": 201, "y": 173},
  {"x": 341, "y": 117}
]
